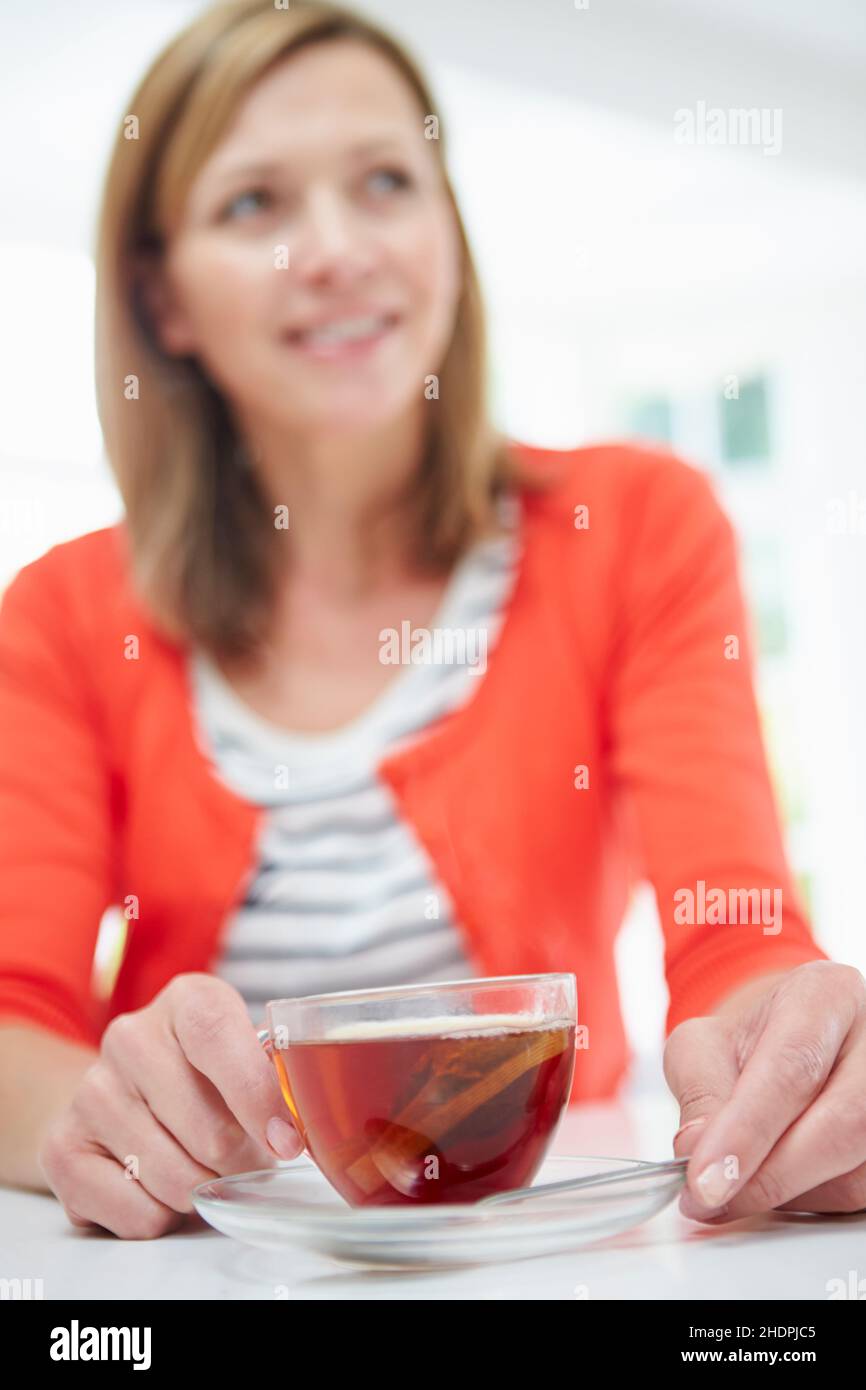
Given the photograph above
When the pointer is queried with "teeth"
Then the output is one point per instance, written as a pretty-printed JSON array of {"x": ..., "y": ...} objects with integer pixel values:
[{"x": 345, "y": 329}]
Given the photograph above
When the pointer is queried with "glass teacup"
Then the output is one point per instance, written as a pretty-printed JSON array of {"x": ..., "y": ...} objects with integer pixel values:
[{"x": 443, "y": 1092}]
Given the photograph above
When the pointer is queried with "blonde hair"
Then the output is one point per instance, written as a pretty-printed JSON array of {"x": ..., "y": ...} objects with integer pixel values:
[{"x": 202, "y": 539}]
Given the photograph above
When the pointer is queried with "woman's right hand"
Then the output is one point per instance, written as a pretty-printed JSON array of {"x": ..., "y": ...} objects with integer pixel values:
[{"x": 182, "y": 1091}]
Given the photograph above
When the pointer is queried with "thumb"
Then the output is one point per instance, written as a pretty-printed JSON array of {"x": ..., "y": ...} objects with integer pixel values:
[
  {"x": 283, "y": 1138},
  {"x": 700, "y": 1067},
  {"x": 687, "y": 1136}
]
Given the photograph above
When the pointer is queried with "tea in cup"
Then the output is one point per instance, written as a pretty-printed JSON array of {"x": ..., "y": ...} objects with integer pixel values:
[{"x": 443, "y": 1092}]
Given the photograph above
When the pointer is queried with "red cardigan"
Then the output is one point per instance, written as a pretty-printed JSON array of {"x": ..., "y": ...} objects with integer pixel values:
[{"x": 611, "y": 657}]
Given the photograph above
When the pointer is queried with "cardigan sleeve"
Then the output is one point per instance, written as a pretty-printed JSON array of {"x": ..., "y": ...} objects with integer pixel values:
[
  {"x": 687, "y": 750},
  {"x": 55, "y": 813}
]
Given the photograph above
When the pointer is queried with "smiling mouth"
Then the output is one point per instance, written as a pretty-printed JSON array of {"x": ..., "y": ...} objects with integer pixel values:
[{"x": 343, "y": 336}]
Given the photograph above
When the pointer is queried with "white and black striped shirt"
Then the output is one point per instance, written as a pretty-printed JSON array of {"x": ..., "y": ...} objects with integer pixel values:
[{"x": 342, "y": 895}]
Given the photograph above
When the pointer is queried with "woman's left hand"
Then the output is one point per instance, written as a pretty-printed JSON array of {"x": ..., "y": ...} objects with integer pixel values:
[{"x": 772, "y": 1097}]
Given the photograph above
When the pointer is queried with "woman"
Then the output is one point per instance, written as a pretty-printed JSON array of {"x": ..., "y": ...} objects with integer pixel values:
[{"x": 199, "y": 720}]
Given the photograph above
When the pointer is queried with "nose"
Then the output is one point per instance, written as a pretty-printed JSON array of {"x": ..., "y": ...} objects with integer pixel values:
[{"x": 328, "y": 238}]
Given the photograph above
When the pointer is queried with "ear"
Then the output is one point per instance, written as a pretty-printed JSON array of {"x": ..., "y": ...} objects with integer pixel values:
[{"x": 165, "y": 314}]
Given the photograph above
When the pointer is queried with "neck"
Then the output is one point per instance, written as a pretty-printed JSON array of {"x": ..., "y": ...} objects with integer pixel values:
[{"x": 347, "y": 499}]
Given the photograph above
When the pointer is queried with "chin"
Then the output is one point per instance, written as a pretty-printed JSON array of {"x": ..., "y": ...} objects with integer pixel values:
[{"x": 369, "y": 412}]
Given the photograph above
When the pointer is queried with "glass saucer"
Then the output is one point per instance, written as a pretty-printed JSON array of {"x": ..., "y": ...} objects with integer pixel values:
[{"x": 295, "y": 1205}]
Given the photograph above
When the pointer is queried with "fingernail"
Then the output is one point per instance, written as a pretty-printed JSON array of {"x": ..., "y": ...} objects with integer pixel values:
[
  {"x": 695, "y": 1211},
  {"x": 282, "y": 1138},
  {"x": 713, "y": 1186},
  {"x": 689, "y": 1124}
]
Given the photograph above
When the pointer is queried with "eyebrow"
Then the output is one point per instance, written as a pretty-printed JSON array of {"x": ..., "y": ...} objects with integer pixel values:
[{"x": 260, "y": 169}]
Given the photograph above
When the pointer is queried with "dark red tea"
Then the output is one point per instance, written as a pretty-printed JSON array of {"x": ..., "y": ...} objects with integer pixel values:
[{"x": 391, "y": 1117}]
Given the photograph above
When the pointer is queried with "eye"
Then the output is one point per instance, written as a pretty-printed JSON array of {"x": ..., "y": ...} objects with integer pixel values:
[
  {"x": 249, "y": 196},
  {"x": 398, "y": 177}
]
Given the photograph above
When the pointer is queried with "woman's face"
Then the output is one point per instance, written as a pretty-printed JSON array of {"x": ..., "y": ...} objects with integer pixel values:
[{"x": 322, "y": 209}]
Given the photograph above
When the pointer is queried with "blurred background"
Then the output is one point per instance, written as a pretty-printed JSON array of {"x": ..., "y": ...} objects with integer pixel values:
[{"x": 655, "y": 266}]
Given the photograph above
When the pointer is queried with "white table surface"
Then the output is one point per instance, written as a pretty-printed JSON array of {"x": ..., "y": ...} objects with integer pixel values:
[{"x": 779, "y": 1255}]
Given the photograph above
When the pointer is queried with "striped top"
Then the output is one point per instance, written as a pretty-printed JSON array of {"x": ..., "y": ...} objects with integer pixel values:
[{"x": 342, "y": 895}]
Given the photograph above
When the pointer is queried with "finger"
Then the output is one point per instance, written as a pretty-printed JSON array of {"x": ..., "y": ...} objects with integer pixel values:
[
  {"x": 789, "y": 1064},
  {"x": 123, "y": 1125},
  {"x": 821, "y": 1154},
  {"x": 684, "y": 1143},
  {"x": 687, "y": 1136},
  {"x": 93, "y": 1190},
  {"x": 214, "y": 1032},
  {"x": 845, "y": 1194},
  {"x": 152, "y": 1067},
  {"x": 700, "y": 1067},
  {"x": 842, "y": 1196},
  {"x": 284, "y": 1139}
]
